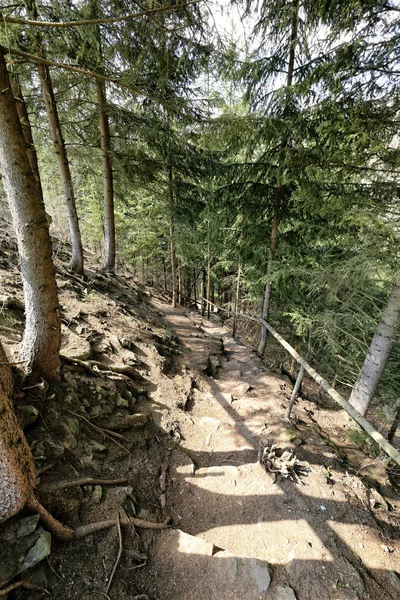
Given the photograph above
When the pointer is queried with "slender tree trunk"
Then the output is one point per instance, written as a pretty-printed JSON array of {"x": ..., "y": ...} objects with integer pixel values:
[
  {"x": 173, "y": 260},
  {"x": 209, "y": 279},
  {"x": 42, "y": 337},
  {"x": 109, "y": 215},
  {"x": 164, "y": 274},
  {"x": 278, "y": 200},
  {"x": 59, "y": 148},
  {"x": 378, "y": 353},
  {"x": 237, "y": 296},
  {"x": 195, "y": 287},
  {"x": 395, "y": 424},
  {"x": 268, "y": 288},
  {"x": 204, "y": 293},
  {"x": 180, "y": 287}
]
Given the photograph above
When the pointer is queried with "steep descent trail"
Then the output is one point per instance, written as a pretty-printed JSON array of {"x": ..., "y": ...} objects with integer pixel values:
[{"x": 321, "y": 536}]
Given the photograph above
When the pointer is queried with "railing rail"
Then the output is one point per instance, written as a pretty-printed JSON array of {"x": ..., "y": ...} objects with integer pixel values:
[{"x": 338, "y": 398}]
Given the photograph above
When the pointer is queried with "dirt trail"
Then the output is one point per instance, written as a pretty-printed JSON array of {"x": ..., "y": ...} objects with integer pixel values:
[
  {"x": 321, "y": 536},
  {"x": 189, "y": 420}
]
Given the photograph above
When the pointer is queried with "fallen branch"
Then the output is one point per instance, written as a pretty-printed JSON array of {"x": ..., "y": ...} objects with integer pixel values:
[
  {"x": 25, "y": 584},
  {"x": 118, "y": 556},
  {"x": 87, "y": 481}
]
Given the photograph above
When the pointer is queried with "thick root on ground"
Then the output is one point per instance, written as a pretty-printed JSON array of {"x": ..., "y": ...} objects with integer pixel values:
[{"x": 64, "y": 533}]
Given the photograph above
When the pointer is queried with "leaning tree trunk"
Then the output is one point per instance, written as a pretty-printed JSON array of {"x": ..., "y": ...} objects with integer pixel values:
[
  {"x": 42, "y": 337},
  {"x": 17, "y": 468},
  {"x": 109, "y": 216},
  {"x": 59, "y": 147},
  {"x": 378, "y": 353}
]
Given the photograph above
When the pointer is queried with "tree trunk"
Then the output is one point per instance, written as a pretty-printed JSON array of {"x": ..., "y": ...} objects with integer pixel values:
[
  {"x": 59, "y": 148},
  {"x": 268, "y": 289},
  {"x": 277, "y": 203},
  {"x": 378, "y": 353},
  {"x": 237, "y": 296},
  {"x": 109, "y": 216},
  {"x": 17, "y": 468},
  {"x": 208, "y": 277},
  {"x": 204, "y": 293},
  {"x": 180, "y": 287},
  {"x": 25, "y": 125},
  {"x": 173, "y": 259},
  {"x": 394, "y": 426},
  {"x": 164, "y": 274},
  {"x": 42, "y": 337}
]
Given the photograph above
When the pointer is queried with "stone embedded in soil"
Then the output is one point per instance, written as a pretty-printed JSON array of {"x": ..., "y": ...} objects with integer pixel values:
[
  {"x": 123, "y": 422},
  {"x": 27, "y": 414},
  {"x": 235, "y": 373},
  {"x": 223, "y": 397},
  {"x": 189, "y": 569},
  {"x": 285, "y": 593},
  {"x": 24, "y": 545},
  {"x": 70, "y": 379},
  {"x": 74, "y": 346}
]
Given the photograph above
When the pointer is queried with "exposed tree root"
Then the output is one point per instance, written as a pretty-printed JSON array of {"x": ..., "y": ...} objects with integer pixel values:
[
  {"x": 44, "y": 469},
  {"x": 24, "y": 584},
  {"x": 118, "y": 556},
  {"x": 125, "y": 371},
  {"x": 64, "y": 533},
  {"x": 106, "y": 432},
  {"x": 87, "y": 481}
]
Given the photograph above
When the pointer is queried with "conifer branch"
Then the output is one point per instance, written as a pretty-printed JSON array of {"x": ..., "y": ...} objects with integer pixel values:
[
  {"x": 51, "y": 63},
  {"x": 101, "y": 21}
]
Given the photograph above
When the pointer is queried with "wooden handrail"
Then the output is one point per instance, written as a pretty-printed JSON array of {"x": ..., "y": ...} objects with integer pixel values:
[{"x": 338, "y": 398}]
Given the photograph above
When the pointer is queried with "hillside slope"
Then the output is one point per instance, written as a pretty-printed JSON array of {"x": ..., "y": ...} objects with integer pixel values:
[{"x": 173, "y": 411}]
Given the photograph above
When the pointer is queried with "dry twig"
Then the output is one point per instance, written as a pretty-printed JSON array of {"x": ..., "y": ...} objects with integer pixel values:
[
  {"x": 25, "y": 584},
  {"x": 87, "y": 481},
  {"x": 118, "y": 556}
]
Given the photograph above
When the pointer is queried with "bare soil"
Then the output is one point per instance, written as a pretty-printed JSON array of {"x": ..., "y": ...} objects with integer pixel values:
[{"x": 190, "y": 418}]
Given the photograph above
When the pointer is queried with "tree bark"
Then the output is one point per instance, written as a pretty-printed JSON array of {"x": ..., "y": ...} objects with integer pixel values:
[
  {"x": 42, "y": 337},
  {"x": 173, "y": 258},
  {"x": 268, "y": 288},
  {"x": 109, "y": 215},
  {"x": 59, "y": 148},
  {"x": 278, "y": 200},
  {"x": 25, "y": 125},
  {"x": 208, "y": 275},
  {"x": 378, "y": 353},
  {"x": 204, "y": 293},
  {"x": 237, "y": 296},
  {"x": 17, "y": 468}
]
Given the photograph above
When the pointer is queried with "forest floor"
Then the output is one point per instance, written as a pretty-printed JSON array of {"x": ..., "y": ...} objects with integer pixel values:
[{"x": 169, "y": 403}]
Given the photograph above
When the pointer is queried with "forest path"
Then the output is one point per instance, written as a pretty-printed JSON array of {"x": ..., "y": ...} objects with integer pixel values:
[{"x": 320, "y": 536}]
